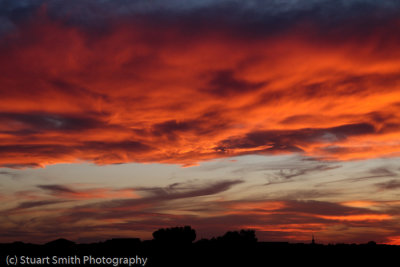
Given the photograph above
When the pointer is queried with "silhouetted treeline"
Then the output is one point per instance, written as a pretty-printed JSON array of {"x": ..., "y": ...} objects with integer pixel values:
[
  {"x": 178, "y": 235},
  {"x": 177, "y": 247}
]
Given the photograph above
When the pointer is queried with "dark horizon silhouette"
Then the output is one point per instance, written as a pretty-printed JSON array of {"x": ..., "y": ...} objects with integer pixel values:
[{"x": 177, "y": 246}]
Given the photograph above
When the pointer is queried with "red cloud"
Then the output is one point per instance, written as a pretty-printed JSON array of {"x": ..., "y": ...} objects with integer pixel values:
[{"x": 142, "y": 92}]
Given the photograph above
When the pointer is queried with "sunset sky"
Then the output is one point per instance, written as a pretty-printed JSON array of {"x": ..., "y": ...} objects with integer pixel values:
[{"x": 120, "y": 117}]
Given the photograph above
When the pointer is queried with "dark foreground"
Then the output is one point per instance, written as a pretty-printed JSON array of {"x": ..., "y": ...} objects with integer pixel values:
[{"x": 175, "y": 247}]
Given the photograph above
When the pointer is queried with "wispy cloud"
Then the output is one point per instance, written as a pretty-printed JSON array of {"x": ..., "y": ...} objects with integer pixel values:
[
  {"x": 66, "y": 192},
  {"x": 9, "y": 174},
  {"x": 389, "y": 185},
  {"x": 273, "y": 220}
]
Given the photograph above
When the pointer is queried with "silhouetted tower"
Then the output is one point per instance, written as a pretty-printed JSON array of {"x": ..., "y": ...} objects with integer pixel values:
[{"x": 313, "y": 240}]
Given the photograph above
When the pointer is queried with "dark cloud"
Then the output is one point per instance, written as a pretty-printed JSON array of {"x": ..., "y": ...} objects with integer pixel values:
[
  {"x": 126, "y": 146},
  {"x": 389, "y": 185},
  {"x": 347, "y": 85},
  {"x": 54, "y": 189},
  {"x": 97, "y": 151},
  {"x": 173, "y": 129},
  {"x": 307, "y": 194},
  {"x": 382, "y": 172},
  {"x": 9, "y": 174},
  {"x": 291, "y": 173},
  {"x": 43, "y": 122},
  {"x": 322, "y": 208},
  {"x": 207, "y": 124},
  {"x": 175, "y": 191},
  {"x": 78, "y": 91},
  {"x": 160, "y": 194},
  {"x": 34, "y": 204},
  {"x": 53, "y": 150},
  {"x": 289, "y": 140},
  {"x": 174, "y": 126},
  {"x": 250, "y": 17},
  {"x": 376, "y": 173},
  {"x": 224, "y": 83},
  {"x": 155, "y": 198},
  {"x": 129, "y": 146},
  {"x": 155, "y": 194},
  {"x": 20, "y": 166},
  {"x": 286, "y": 175},
  {"x": 344, "y": 131},
  {"x": 372, "y": 174},
  {"x": 300, "y": 118}
]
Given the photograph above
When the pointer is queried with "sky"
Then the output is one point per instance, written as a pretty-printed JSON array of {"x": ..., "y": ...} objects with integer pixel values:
[{"x": 120, "y": 117}]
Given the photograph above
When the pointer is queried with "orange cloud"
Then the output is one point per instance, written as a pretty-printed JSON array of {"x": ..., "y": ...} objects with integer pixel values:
[
  {"x": 135, "y": 93},
  {"x": 262, "y": 206},
  {"x": 359, "y": 217},
  {"x": 360, "y": 204},
  {"x": 394, "y": 240}
]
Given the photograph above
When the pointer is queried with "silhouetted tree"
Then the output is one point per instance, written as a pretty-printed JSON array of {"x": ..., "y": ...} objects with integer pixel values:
[
  {"x": 177, "y": 235},
  {"x": 244, "y": 236}
]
